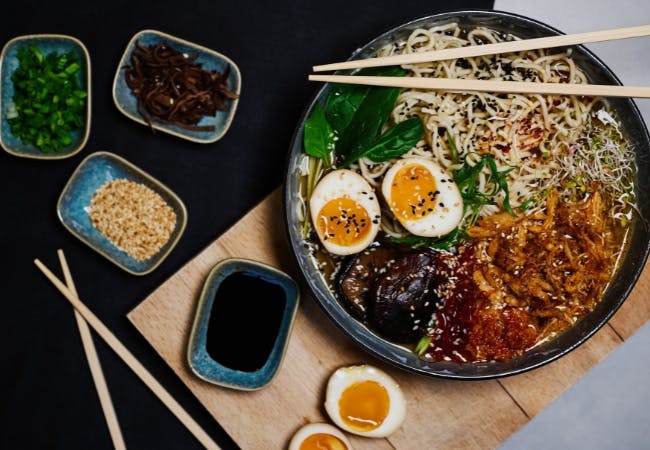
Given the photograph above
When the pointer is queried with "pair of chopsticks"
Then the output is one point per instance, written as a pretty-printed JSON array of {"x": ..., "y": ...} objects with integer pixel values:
[
  {"x": 85, "y": 317},
  {"x": 448, "y": 84}
]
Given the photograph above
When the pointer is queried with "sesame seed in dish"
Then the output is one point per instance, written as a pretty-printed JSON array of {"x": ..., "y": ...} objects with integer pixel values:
[{"x": 136, "y": 219}]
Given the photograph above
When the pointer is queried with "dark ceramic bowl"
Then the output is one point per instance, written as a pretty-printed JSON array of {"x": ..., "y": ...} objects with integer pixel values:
[{"x": 617, "y": 291}]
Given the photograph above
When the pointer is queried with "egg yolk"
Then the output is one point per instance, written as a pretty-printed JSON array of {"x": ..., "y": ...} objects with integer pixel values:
[
  {"x": 322, "y": 441},
  {"x": 364, "y": 405},
  {"x": 343, "y": 221},
  {"x": 413, "y": 193}
]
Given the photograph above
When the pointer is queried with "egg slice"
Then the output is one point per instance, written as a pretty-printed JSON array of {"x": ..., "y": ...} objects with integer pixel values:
[
  {"x": 319, "y": 436},
  {"x": 345, "y": 212},
  {"x": 423, "y": 197},
  {"x": 366, "y": 401}
]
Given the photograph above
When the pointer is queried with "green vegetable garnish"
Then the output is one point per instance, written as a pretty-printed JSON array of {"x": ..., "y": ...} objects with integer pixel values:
[
  {"x": 366, "y": 123},
  {"x": 319, "y": 137},
  {"x": 422, "y": 345},
  {"x": 48, "y": 103},
  {"x": 397, "y": 140},
  {"x": 453, "y": 150},
  {"x": 445, "y": 242},
  {"x": 344, "y": 99},
  {"x": 351, "y": 122},
  {"x": 525, "y": 206},
  {"x": 467, "y": 180}
]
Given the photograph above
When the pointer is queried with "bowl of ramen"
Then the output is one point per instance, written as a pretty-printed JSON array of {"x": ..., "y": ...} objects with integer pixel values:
[{"x": 469, "y": 235}]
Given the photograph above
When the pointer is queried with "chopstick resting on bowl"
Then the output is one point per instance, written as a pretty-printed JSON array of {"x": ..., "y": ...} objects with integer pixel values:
[
  {"x": 491, "y": 49},
  {"x": 94, "y": 364},
  {"x": 461, "y": 85},
  {"x": 130, "y": 360}
]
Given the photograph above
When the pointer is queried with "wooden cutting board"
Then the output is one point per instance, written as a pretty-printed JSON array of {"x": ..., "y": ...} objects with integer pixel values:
[{"x": 441, "y": 414}]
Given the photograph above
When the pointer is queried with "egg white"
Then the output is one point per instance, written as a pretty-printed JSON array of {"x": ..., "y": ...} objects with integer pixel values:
[
  {"x": 448, "y": 210},
  {"x": 316, "y": 428},
  {"x": 344, "y": 377},
  {"x": 346, "y": 183}
]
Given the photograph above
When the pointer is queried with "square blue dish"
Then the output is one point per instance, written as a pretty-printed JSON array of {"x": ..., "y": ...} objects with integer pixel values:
[
  {"x": 46, "y": 43},
  {"x": 209, "y": 60},
  {"x": 73, "y": 206},
  {"x": 242, "y": 325}
]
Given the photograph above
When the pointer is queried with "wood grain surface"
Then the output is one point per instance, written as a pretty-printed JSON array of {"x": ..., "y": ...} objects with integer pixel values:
[{"x": 443, "y": 414}]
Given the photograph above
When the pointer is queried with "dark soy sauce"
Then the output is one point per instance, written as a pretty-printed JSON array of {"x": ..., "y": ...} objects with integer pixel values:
[{"x": 244, "y": 322}]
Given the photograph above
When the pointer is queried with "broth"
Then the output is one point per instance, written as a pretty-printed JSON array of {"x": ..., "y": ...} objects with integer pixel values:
[{"x": 244, "y": 321}]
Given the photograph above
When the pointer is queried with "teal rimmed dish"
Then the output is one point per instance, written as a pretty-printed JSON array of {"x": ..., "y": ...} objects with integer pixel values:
[
  {"x": 210, "y": 60},
  {"x": 199, "y": 357},
  {"x": 92, "y": 173},
  {"x": 46, "y": 43}
]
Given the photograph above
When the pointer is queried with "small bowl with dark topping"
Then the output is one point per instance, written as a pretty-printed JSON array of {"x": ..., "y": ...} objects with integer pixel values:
[
  {"x": 177, "y": 87},
  {"x": 45, "y": 96}
]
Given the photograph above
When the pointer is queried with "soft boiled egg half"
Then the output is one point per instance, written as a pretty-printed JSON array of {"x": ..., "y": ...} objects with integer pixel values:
[
  {"x": 365, "y": 400},
  {"x": 319, "y": 436},
  {"x": 423, "y": 197},
  {"x": 345, "y": 212}
]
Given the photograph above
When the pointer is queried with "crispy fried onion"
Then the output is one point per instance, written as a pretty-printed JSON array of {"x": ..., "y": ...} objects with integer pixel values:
[{"x": 552, "y": 264}]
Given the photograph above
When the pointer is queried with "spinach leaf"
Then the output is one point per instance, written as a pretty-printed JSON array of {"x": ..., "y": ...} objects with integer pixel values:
[
  {"x": 318, "y": 136},
  {"x": 396, "y": 141},
  {"x": 367, "y": 122},
  {"x": 344, "y": 100}
]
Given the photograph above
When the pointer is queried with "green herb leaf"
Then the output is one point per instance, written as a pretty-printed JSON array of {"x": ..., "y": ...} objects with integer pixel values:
[
  {"x": 318, "y": 136},
  {"x": 445, "y": 242},
  {"x": 366, "y": 123},
  {"x": 396, "y": 141},
  {"x": 422, "y": 345},
  {"x": 344, "y": 100},
  {"x": 525, "y": 206},
  {"x": 453, "y": 150},
  {"x": 467, "y": 180},
  {"x": 373, "y": 112}
]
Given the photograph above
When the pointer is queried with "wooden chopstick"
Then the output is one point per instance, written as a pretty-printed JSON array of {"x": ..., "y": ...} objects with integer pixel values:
[
  {"x": 491, "y": 49},
  {"x": 94, "y": 364},
  {"x": 131, "y": 360},
  {"x": 460, "y": 85}
]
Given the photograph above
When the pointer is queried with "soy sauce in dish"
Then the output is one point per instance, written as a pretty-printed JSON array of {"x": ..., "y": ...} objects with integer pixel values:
[{"x": 245, "y": 321}]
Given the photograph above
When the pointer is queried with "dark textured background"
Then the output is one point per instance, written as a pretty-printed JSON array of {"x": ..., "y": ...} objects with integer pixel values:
[{"x": 48, "y": 398}]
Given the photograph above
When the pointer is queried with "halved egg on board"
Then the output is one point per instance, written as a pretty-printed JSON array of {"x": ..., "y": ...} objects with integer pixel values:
[
  {"x": 365, "y": 400},
  {"x": 319, "y": 436},
  {"x": 345, "y": 212},
  {"x": 423, "y": 197}
]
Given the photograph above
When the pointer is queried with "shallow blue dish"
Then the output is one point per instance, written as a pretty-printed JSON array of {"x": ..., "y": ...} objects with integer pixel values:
[
  {"x": 72, "y": 208},
  {"x": 210, "y": 60},
  {"x": 200, "y": 360},
  {"x": 46, "y": 43}
]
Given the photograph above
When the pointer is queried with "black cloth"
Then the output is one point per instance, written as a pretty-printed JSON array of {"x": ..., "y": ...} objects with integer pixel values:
[{"x": 47, "y": 397}]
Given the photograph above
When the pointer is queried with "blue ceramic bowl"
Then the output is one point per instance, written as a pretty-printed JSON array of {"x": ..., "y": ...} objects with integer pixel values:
[
  {"x": 72, "y": 208},
  {"x": 46, "y": 43},
  {"x": 200, "y": 360},
  {"x": 127, "y": 102}
]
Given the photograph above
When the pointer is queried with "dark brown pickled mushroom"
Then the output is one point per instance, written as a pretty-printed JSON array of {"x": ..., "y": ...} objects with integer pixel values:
[
  {"x": 402, "y": 299},
  {"x": 172, "y": 89},
  {"x": 357, "y": 274}
]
